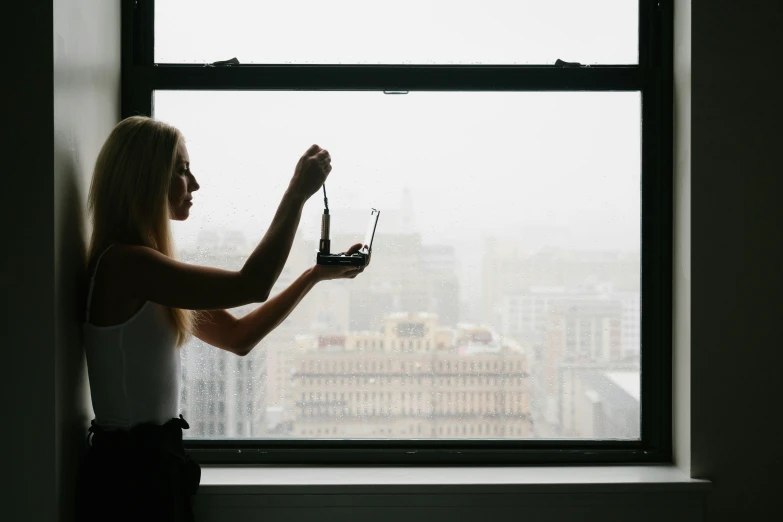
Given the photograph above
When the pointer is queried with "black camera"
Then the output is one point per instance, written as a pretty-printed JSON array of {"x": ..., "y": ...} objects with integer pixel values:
[{"x": 356, "y": 259}]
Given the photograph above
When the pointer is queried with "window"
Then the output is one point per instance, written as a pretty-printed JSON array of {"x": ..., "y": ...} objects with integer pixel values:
[
  {"x": 560, "y": 173},
  {"x": 486, "y": 32}
]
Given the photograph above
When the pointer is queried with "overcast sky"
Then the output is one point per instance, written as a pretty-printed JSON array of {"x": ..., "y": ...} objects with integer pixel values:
[
  {"x": 550, "y": 169},
  {"x": 475, "y": 163},
  {"x": 402, "y": 31}
]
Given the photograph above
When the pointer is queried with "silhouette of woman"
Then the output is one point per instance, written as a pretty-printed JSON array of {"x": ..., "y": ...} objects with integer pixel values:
[{"x": 142, "y": 305}]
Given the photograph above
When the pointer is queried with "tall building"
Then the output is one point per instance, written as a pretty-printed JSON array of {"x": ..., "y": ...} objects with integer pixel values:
[
  {"x": 439, "y": 265},
  {"x": 508, "y": 269},
  {"x": 501, "y": 275},
  {"x": 525, "y": 316},
  {"x": 405, "y": 276},
  {"x": 411, "y": 379},
  {"x": 224, "y": 395},
  {"x": 214, "y": 391},
  {"x": 631, "y": 324},
  {"x": 600, "y": 401},
  {"x": 566, "y": 327}
]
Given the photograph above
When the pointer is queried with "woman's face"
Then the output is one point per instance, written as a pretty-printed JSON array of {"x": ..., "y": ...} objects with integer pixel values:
[{"x": 183, "y": 184}]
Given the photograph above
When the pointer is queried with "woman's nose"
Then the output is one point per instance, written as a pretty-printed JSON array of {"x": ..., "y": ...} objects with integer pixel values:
[{"x": 193, "y": 183}]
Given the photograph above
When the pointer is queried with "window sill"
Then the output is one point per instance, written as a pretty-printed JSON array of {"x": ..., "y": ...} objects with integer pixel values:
[{"x": 262, "y": 480}]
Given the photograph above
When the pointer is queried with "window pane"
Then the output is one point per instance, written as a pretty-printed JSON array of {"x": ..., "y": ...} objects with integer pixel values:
[
  {"x": 503, "y": 296},
  {"x": 400, "y": 32}
]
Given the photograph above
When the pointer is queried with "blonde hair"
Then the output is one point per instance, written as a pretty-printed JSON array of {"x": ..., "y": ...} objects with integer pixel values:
[{"x": 128, "y": 198}]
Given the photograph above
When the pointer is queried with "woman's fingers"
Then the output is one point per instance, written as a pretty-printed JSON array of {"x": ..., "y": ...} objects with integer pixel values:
[
  {"x": 354, "y": 248},
  {"x": 324, "y": 160},
  {"x": 349, "y": 272}
]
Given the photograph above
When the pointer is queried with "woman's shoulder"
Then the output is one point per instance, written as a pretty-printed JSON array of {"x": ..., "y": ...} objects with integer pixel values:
[
  {"x": 127, "y": 253},
  {"x": 118, "y": 257},
  {"x": 107, "y": 306}
]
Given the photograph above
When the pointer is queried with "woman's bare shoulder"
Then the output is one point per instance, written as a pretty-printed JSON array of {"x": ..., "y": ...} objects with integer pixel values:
[
  {"x": 127, "y": 254},
  {"x": 118, "y": 259}
]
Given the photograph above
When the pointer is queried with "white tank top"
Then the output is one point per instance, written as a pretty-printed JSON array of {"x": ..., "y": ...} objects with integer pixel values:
[{"x": 134, "y": 367}]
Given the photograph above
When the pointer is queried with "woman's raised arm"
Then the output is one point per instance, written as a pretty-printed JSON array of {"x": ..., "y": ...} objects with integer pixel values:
[{"x": 142, "y": 272}]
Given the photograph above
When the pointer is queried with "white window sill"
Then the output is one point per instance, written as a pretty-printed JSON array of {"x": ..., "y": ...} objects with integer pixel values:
[{"x": 255, "y": 480}]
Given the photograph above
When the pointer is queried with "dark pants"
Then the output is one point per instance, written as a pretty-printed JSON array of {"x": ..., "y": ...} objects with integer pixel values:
[{"x": 137, "y": 474}]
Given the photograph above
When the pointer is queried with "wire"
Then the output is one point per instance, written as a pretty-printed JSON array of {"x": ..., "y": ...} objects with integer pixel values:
[{"x": 326, "y": 202}]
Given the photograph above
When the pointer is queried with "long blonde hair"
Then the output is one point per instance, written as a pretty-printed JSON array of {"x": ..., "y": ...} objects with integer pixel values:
[{"x": 128, "y": 198}]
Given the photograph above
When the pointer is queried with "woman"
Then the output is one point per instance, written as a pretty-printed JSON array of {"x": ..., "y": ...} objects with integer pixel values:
[{"x": 142, "y": 306}]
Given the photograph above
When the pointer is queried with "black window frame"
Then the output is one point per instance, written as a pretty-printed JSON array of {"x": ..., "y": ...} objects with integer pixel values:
[{"x": 652, "y": 77}]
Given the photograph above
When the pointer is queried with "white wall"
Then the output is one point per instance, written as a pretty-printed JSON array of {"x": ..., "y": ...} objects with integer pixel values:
[
  {"x": 736, "y": 188},
  {"x": 64, "y": 79},
  {"x": 86, "y": 108}
]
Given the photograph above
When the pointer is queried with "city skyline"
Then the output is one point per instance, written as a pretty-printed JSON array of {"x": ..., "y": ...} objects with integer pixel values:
[
  {"x": 348, "y": 228},
  {"x": 254, "y": 396}
]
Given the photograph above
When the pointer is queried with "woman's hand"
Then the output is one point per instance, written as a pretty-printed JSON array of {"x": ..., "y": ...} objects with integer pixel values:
[
  {"x": 327, "y": 272},
  {"x": 311, "y": 172}
]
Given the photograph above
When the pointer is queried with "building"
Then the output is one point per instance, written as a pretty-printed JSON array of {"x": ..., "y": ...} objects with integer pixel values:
[
  {"x": 561, "y": 327},
  {"x": 412, "y": 379},
  {"x": 630, "y": 324},
  {"x": 228, "y": 396},
  {"x": 509, "y": 270},
  {"x": 439, "y": 265},
  {"x": 501, "y": 274},
  {"x": 600, "y": 403},
  {"x": 407, "y": 275},
  {"x": 592, "y": 314}
]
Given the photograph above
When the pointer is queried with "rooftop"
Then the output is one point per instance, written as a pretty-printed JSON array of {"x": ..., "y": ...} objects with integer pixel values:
[{"x": 629, "y": 382}]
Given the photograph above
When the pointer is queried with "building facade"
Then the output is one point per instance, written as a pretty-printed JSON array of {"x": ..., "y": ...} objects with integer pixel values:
[{"x": 413, "y": 379}]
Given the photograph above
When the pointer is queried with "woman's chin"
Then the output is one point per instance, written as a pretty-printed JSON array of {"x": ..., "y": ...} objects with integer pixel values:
[{"x": 181, "y": 215}]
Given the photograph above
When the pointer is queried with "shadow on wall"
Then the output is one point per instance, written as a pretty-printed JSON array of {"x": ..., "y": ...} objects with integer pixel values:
[{"x": 72, "y": 401}]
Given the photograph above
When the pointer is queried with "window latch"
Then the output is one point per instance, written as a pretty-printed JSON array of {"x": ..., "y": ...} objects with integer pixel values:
[
  {"x": 224, "y": 63},
  {"x": 568, "y": 65}
]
